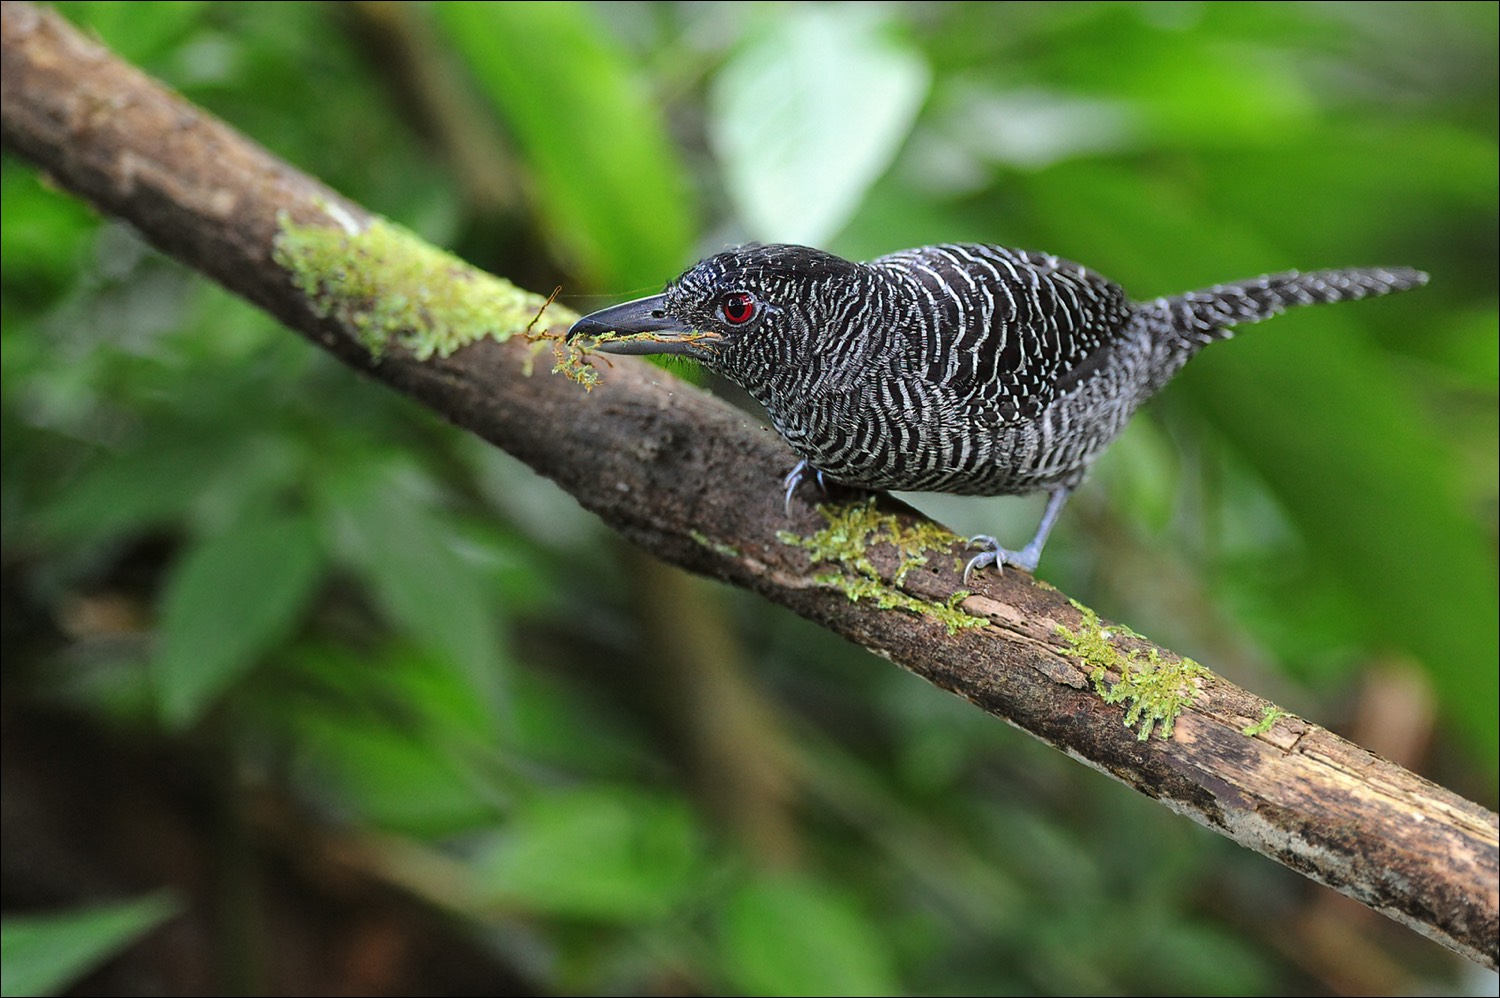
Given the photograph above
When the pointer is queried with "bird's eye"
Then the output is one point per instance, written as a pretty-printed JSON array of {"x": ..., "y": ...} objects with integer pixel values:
[{"x": 738, "y": 307}]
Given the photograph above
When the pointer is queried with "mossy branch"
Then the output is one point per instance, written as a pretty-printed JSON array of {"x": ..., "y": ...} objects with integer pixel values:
[{"x": 679, "y": 473}]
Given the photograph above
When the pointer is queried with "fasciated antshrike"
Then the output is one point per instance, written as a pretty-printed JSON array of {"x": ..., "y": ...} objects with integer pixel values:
[{"x": 958, "y": 368}]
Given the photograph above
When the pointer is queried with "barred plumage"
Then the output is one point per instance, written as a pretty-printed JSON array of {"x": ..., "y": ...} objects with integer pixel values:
[{"x": 960, "y": 368}]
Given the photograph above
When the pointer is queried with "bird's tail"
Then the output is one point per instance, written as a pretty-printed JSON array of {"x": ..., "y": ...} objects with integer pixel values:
[
  {"x": 1201, "y": 317},
  {"x": 1183, "y": 324}
]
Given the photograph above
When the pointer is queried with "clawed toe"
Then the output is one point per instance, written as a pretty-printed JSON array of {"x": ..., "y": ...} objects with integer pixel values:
[
  {"x": 998, "y": 556},
  {"x": 795, "y": 477},
  {"x": 983, "y": 559},
  {"x": 791, "y": 481},
  {"x": 993, "y": 554}
]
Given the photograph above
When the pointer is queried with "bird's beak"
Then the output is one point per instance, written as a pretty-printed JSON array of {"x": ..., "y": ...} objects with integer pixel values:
[{"x": 639, "y": 327}]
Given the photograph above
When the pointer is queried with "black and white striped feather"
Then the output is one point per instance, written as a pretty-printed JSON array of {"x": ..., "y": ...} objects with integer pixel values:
[{"x": 966, "y": 368}]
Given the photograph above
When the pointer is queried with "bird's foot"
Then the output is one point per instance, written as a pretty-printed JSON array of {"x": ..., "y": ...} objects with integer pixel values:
[
  {"x": 795, "y": 478},
  {"x": 1024, "y": 559}
]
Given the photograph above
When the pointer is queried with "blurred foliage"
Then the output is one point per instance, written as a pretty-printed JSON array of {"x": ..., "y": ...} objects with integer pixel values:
[
  {"x": 296, "y": 586},
  {"x": 43, "y": 954}
]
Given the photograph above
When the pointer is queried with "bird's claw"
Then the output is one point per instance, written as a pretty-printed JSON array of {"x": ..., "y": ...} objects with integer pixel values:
[
  {"x": 998, "y": 556},
  {"x": 794, "y": 478}
]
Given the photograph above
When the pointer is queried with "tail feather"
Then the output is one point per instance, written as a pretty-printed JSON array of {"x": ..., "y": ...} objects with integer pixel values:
[{"x": 1201, "y": 317}]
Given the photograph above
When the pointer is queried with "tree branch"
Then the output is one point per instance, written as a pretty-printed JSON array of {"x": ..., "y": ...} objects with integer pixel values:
[{"x": 694, "y": 482}]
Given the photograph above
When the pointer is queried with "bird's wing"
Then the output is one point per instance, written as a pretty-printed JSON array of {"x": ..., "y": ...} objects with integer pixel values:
[{"x": 1005, "y": 329}]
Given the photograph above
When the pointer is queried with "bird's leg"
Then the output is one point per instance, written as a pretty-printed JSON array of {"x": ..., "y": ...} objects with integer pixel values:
[
  {"x": 1026, "y": 558},
  {"x": 794, "y": 478}
]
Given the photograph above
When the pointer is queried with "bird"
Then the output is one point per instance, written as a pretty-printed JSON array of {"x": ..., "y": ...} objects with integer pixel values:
[{"x": 962, "y": 368}]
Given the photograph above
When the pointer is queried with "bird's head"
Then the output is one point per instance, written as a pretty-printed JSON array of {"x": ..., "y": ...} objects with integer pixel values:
[{"x": 736, "y": 311}]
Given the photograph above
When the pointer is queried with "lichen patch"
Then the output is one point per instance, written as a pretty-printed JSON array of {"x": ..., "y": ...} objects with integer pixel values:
[
  {"x": 1156, "y": 690},
  {"x": 392, "y": 289},
  {"x": 853, "y": 530}
]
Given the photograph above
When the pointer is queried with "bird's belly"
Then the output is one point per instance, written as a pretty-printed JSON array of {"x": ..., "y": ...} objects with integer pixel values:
[{"x": 951, "y": 448}]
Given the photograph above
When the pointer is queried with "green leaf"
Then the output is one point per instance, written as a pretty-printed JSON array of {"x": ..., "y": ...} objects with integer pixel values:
[
  {"x": 396, "y": 734},
  {"x": 596, "y": 853},
  {"x": 414, "y": 563},
  {"x": 45, "y": 232},
  {"x": 139, "y": 33},
  {"x": 413, "y": 780},
  {"x": 807, "y": 116},
  {"x": 229, "y": 601},
  {"x": 607, "y": 175},
  {"x": 1198, "y": 959},
  {"x": 791, "y": 936},
  {"x": 44, "y": 954},
  {"x": 143, "y": 486}
]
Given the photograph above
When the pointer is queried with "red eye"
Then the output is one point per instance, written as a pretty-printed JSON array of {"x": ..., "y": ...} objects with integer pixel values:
[{"x": 738, "y": 307}]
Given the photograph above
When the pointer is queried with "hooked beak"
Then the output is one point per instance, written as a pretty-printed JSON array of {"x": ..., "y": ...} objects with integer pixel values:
[{"x": 640, "y": 327}]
